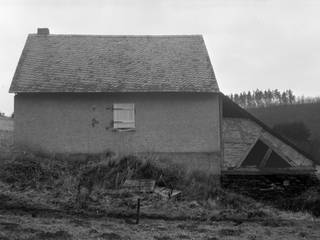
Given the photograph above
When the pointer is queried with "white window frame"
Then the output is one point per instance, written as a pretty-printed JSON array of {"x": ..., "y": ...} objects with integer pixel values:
[{"x": 123, "y": 116}]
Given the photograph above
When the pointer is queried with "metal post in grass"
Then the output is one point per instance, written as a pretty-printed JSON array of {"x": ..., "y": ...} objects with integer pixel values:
[{"x": 138, "y": 211}]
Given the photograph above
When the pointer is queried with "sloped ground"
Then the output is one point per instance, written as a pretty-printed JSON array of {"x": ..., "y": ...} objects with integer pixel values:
[
  {"x": 6, "y": 124},
  {"x": 6, "y": 135},
  {"x": 6, "y": 141},
  {"x": 77, "y": 197},
  {"x": 308, "y": 113},
  {"x": 93, "y": 187}
]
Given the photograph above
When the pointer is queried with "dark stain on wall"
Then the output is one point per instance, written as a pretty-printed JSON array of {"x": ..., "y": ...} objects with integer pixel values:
[{"x": 94, "y": 122}]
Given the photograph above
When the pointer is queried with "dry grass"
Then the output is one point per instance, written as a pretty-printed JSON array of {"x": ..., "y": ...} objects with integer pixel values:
[
  {"x": 91, "y": 183},
  {"x": 309, "y": 201},
  {"x": 101, "y": 171},
  {"x": 43, "y": 192}
]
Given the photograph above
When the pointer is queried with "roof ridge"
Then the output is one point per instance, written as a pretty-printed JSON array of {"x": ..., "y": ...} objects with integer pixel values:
[{"x": 119, "y": 36}]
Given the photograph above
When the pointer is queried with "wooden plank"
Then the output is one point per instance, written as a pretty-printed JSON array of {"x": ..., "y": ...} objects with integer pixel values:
[
  {"x": 167, "y": 193},
  {"x": 269, "y": 171},
  {"x": 278, "y": 151},
  {"x": 265, "y": 158},
  {"x": 139, "y": 185},
  {"x": 247, "y": 152}
]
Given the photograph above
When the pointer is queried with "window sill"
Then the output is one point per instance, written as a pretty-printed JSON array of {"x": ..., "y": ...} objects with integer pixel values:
[{"x": 123, "y": 130}]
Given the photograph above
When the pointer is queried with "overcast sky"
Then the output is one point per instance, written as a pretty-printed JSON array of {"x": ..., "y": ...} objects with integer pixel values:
[{"x": 252, "y": 43}]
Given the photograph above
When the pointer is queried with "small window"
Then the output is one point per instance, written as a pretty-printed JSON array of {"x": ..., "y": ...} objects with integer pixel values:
[
  {"x": 123, "y": 116},
  {"x": 255, "y": 155}
]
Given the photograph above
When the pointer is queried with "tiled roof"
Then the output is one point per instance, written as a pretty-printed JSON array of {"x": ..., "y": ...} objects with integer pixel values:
[{"x": 90, "y": 63}]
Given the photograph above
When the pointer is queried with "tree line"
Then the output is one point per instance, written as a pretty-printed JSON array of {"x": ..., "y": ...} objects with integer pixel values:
[
  {"x": 265, "y": 98},
  {"x": 300, "y": 135}
]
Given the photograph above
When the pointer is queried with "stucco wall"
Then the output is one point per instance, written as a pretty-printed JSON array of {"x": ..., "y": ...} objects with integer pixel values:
[
  {"x": 165, "y": 123},
  {"x": 188, "y": 161},
  {"x": 239, "y": 134}
]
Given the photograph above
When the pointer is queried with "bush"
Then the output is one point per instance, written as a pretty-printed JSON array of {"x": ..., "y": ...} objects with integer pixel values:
[
  {"x": 68, "y": 174},
  {"x": 309, "y": 201},
  {"x": 236, "y": 201},
  {"x": 29, "y": 170},
  {"x": 199, "y": 185},
  {"x": 113, "y": 173}
]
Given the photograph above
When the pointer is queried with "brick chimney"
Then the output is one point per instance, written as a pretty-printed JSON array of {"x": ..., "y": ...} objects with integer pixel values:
[{"x": 43, "y": 31}]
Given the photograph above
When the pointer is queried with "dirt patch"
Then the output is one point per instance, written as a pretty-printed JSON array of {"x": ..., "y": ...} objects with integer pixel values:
[
  {"x": 276, "y": 223},
  {"x": 211, "y": 238},
  {"x": 27, "y": 227},
  {"x": 80, "y": 222},
  {"x": 192, "y": 227},
  {"x": 110, "y": 236},
  {"x": 230, "y": 232},
  {"x": 7, "y": 226},
  {"x": 182, "y": 236},
  {"x": 162, "y": 238},
  {"x": 61, "y": 235}
]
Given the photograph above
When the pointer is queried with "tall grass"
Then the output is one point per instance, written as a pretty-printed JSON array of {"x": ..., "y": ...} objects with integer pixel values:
[{"x": 71, "y": 174}]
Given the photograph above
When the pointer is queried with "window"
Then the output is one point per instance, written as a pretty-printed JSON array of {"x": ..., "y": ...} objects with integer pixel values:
[
  {"x": 256, "y": 154},
  {"x": 262, "y": 156},
  {"x": 123, "y": 116}
]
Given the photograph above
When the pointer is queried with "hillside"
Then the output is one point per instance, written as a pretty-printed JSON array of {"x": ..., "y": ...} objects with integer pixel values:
[
  {"x": 6, "y": 134},
  {"x": 309, "y": 113},
  {"x": 6, "y": 124}
]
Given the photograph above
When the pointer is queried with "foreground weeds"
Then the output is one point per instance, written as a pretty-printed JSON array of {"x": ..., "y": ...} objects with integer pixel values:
[
  {"x": 92, "y": 185},
  {"x": 66, "y": 175},
  {"x": 309, "y": 201}
]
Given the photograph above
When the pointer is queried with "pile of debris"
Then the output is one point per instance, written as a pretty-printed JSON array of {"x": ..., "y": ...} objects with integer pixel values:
[{"x": 148, "y": 186}]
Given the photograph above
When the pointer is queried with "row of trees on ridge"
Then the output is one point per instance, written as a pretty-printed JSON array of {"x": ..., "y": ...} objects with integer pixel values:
[{"x": 264, "y": 98}]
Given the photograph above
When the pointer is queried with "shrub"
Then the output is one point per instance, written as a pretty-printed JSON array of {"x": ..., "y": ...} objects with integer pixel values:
[
  {"x": 67, "y": 174},
  {"x": 236, "y": 201},
  {"x": 308, "y": 201},
  {"x": 29, "y": 170},
  {"x": 199, "y": 185}
]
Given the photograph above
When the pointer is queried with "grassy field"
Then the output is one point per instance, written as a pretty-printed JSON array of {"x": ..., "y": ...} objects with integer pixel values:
[
  {"x": 308, "y": 113},
  {"x": 41, "y": 198}
]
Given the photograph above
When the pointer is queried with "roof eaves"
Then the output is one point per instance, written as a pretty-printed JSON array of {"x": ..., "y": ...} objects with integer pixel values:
[
  {"x": 119, "y": 36},
  {"x": 19, "y": 65},
  {"x": 213, "y": 76}
]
